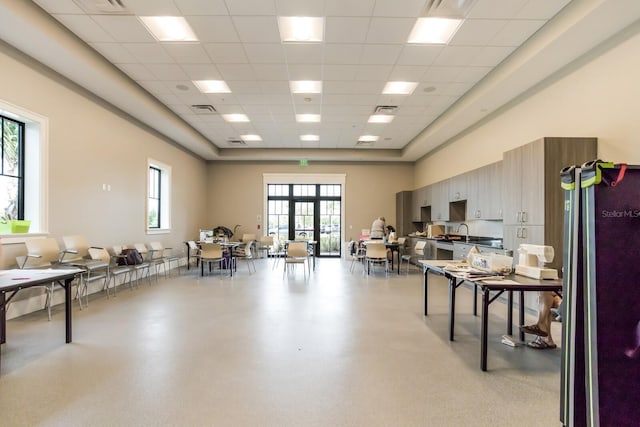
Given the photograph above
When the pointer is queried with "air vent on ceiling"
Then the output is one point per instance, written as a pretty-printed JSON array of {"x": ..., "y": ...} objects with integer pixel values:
[
  {"x": 103, "y": 7},
  {"x": 386, "y": 109},
  {"x": 236, "y": 142},
  {"x": 364, "y": 144},
  {"x": 448, "y": 8},
  {"x": 203, "y": 109}
]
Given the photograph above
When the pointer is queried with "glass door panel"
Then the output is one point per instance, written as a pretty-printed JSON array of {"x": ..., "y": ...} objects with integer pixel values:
[
  {"x": 304, "y": 220},
  {"x": 330, "y": 227}
]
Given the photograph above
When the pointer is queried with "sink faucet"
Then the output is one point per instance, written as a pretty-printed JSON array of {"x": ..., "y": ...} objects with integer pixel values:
[{"x": 466, "y": 239}]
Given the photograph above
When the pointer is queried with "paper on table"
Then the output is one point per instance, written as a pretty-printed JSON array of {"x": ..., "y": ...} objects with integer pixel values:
[{"x": 501, "y": 282}]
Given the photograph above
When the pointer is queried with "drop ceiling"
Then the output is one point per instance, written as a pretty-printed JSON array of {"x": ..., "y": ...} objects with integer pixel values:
[{"x": 502, "y": 49}]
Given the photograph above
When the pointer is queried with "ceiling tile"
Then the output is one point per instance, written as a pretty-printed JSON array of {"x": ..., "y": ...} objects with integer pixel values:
[
  {"x": 456, "y": 56},
  {"x": 303, "y": 53},
  {"x": 167, "y": 72},
  {"x": 352, "y": 87},
  {"x": 472, "y": 74},
  {"x": 349, "y": 8},
  {"x": 114, "y": 52},
  {"x": 514, "y": 33},
  {"x": 202, "y": 7},
  {"x": 380, "y": 54},
  {"x": 85, "y": 28},
  {"x": 148, "y": 53},
  {"x": 202, "y": 71},
  {"x": 137, "y": 71},
  {"x": 339, "y": 72},
  {"x": 152, "y": 7},
  {"x": 124, "y": 28},
  {"x": 280, "y": 87},
  {"x": 477, "y": 32},
  {"x": 218, "y": 99},
  {"x": 59, "y": 6},
  {"x": 491, "y": 56},
  {"x": 257, "y": 29},
  {"x": 374, "y": 72},
  {"x": 251, "y": 7},
  {"x": 300, "y": 7},
  {"x": 155, "y": 87},
  {"x": 169, "y": 99},
  {"x": 305, "y": 72},
  {"x": 408, "y": 8},
  {"x": 408, "y": 73},
  {"x": 214, "y": 29},
  {"x": 390, "y": 30},
  {"x": 441, "y": 74},
  {"x": 342, "y": 53},
  {"x": 244, "y": 86},
  {"x": 457, "y": 89},
  {"x": 226, "y": 53},
  {"x": 270, "y": 72},
  {"x": 348, "y": 99},
  {"x": 541, "y": 9},
  {"x": 340, "y": 29},
  {"x": 236, "y": 72},
  {"x": 501, "y": 9},
  {"x": 264, "y": 53},
  {"x": 419, "y": 54},
  {"x": 187, "y": 53}
]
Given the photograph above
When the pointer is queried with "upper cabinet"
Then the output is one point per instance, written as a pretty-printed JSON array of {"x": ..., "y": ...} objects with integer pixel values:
[
  {"x": 440, "y": 201},
  {"x": 484, "y": 193},
  {"x": 404, "y": 213},
  {"x": 533, "y": 201},
  {"x": 457, "y": 187}
]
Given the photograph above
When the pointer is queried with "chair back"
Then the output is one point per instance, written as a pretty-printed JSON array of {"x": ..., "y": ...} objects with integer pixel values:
[
  {"x": 76, "y": 243},
  {"x": 297, "y": 249},
  {"x": 266, "y": 240},
  {"x": 41, "y": 253},
  {"x": 210, "y": 251},
  {"x": 99, "y": 254},
  {"x": 193, "y": 245},
  {"x": 376, "y": 250},
  {"x": 142, "y": 248},
  {"x": 248, "y": 238},
  {"x": 419, "y": 248}
]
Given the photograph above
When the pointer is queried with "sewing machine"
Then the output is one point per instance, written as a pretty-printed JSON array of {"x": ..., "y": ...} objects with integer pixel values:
[{"x": 531, "y": 261}]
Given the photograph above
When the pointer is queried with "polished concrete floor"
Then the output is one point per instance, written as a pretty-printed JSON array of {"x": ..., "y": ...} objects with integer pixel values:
[{"x": 334, "y": 349}]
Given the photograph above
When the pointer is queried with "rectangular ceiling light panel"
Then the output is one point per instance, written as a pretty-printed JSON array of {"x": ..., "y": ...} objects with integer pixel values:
[
  {"x": 308, "y": 118},
  {"x": 380, "y": 118},
  {"x": 309, "y": 137},
  {"x": 305, "y": 86},
  {"x": 236, "y": 118},
  {"x": 434, "y": 30},
  {"x": 212, "y": 86},
  {"x": 301, "y": 29},
  {"x": 169, "y": 28},
  {"x": 399, "y": 88}
]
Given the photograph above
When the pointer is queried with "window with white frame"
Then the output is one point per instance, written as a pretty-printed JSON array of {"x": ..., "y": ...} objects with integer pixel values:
[
  {"x": 158, "y": 196},
  {"x": 28, "y": 172}
]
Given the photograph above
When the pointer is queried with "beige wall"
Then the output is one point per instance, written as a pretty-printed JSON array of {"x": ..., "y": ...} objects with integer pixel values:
[
  {"x": 600, "y": 97},
  {"x": 91, "y": 145},
  {"x": 236, "y": 192}
]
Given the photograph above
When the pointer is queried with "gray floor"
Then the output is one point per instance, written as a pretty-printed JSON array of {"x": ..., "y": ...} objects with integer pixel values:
[{"x": 336, "y": 349}]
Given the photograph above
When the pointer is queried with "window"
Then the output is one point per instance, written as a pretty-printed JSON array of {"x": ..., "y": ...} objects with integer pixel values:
[
  {"x": 158, "y": 197},
  {"x": 12, "y": 169},
  {"x": 23, "y": 181}
]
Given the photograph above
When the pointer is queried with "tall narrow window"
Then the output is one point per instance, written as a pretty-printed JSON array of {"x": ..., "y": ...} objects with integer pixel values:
[
  {"x": 158, "y": 197},
  {"x": 12, "y": 169}
]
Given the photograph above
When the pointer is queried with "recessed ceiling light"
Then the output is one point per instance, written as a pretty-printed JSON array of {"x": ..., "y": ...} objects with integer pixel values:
[
  {"x": 169, "y": 28},
  {"x": 305, "y": 86},
  {"x": 308, "y": 118},
  {"x": 309, "y": 137},
  {"x": 182, "y": 87},
  {"x": 429, "y": 89},
  {"x": 399, "y": 88},
  {"x": 250, "y": 137},
  {"x": 301, "y": 29},
  {"x": 212, "y": 86},
  {"x": 380, "y": 118},
  {"x": 368, "y": 138},
  {"x": 434, "y": 30},
  {"x": 235, "y": 117}
]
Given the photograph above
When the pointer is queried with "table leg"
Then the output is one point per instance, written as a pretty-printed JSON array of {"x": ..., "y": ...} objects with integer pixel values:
[
  {"x": 521, "y": 314},
  {"x": 452, "y": 306},
  {"x": 510, "y": 313},
  {"x": 3, "y": 318},
  {"x": 67, "y": 308},
  {"x": 485, "y": 326},
  {"x": 425, "y": 286},
  {"x": 475, "y": 299}
]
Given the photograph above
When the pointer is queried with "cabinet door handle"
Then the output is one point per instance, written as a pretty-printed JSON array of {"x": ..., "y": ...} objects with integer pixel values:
[
  {"x": 478, "y": 214},
  {"x": 518, "y": 233},
  {"x": 524, "y": 217},
  {"x": 524, "y": 233}
]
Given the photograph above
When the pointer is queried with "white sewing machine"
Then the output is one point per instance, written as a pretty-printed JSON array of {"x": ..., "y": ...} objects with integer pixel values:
[{"x": 531, "y": 261}]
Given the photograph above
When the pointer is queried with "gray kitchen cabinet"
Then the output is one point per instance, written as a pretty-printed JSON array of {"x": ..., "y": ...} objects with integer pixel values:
[
  {"x": 440, "y": 201},
  {"x": 484, "y": 192},
  {"x": 457, "y": 187},
  {"x": 421, "y": 197},
  {"x": 533, "y": 201},
  {"x": 404, "y": 206}
]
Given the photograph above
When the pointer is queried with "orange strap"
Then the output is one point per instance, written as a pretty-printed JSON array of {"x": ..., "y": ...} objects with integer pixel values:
[{"x": 623, "y": 169}]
